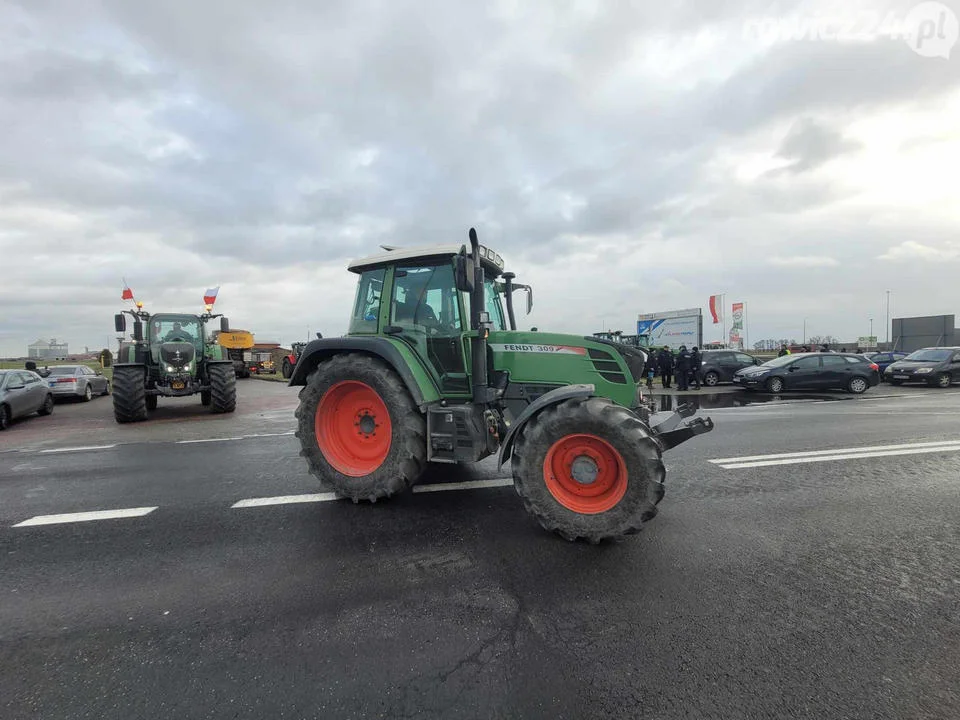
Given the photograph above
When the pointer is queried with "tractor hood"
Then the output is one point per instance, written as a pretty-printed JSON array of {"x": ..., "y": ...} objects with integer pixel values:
[{"x": 177, "y": 354}]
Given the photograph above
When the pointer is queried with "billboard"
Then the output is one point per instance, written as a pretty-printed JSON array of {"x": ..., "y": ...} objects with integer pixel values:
[
  {"x": 673, "y": 328},
  {"x": 913, "y": 333}
]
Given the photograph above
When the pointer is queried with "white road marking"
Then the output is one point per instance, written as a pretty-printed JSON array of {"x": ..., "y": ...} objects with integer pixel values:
[
  {"x": 207, "y": 440},
  {"x": 837, "y": 454},
  {"x": 86, "y": 516},
  {"x": 78, "y": 449},
  {"x": 284, "y": 500},
  {"x": 472, "y": 485}
]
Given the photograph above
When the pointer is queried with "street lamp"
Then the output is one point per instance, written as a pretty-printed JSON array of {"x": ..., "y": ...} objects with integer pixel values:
[
  {"x": 871, "y": 327},
  {"x": 888, "y": 317},
  {"x": 804, "y": 331}
]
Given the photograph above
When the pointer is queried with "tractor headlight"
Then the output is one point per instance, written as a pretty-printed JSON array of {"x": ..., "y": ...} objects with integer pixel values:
[{"x": 171, "y": 368}]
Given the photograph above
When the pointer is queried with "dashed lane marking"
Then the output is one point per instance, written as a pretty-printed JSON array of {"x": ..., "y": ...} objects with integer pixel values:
[
  {"x": 470, "y": 485},
  {"x": 812, "y": 456},
  {"x": 78, "y": 449},
  {"x": 284, "y": 500},
  {"x": 86, "y": 516}
]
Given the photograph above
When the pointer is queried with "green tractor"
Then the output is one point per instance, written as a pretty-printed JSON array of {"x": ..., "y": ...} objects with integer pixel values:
[
  {"x": 175, "y": 358},
  {"x": 433, "y": 370}
]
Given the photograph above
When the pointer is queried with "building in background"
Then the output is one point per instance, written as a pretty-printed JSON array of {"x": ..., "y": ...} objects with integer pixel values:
[{"x": 44, "y": 350}]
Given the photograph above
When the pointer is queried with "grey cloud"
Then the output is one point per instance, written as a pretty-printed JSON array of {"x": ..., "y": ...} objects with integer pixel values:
[{"x": 808, "y": 145}]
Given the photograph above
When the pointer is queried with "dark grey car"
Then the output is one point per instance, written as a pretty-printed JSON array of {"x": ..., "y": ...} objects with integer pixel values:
[
  {"x": 719, "y": 366},
  {"x": 77, "y": 381},
  {"x": 21, "y": 393}
]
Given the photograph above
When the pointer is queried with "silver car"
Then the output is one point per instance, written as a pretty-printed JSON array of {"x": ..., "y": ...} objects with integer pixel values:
[
  {"x": 22, "y": 392},
  {"x": 77, "y": 381}
]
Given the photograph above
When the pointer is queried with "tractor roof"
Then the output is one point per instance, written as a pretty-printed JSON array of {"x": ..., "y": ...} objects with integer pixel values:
[{"x": 490, "y": 261}]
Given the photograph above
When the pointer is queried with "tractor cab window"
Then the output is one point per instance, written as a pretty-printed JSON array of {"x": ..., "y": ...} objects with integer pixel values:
[
  {"x": 425, "y": 307},
  {"x": 179, "y": 329},
  {"x": 491, "y": 296},
  {"x": 366, "y": 307}
]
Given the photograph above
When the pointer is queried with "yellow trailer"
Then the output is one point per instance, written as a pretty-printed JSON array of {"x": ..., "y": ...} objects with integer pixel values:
[{"x": 239, "y": 347}]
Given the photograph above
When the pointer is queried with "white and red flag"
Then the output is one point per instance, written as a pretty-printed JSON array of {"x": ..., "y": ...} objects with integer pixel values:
[
  {"x": 210, "y": 296},
  {"x": 716, "y": 308}
]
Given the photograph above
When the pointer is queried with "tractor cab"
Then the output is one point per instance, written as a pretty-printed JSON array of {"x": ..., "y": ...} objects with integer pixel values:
[{"x": 413, "y": 295}]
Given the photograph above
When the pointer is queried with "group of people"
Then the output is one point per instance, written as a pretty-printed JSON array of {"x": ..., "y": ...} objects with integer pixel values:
[{"x": 684, "y": 367}]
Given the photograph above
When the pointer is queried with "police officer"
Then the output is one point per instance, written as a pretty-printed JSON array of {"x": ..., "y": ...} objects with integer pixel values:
[
  {"x": 665, "y": 365},
  {"x": 683, "y": 369},
  {"x": 695, "y": 362}
]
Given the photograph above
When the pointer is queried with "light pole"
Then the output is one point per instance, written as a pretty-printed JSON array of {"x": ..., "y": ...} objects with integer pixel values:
[
  {"x": 804, "y": 331},
  {"x": 888, "y": 317},
  {"x": 871, "y": 327}
]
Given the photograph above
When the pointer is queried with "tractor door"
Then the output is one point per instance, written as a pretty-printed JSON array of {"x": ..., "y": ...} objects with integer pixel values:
[{"x": 425, "y": 310}]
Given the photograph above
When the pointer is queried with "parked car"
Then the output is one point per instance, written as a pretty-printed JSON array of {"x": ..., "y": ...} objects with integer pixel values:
[
  {"x": 77, "y": 381},
  {"x": 811, "y": 371},
  {"x": 936, "y": 366},
  {"x": 22, "y": 392},
  {"x": 719, "y": 366},
  {"x": 884, "y": 359}
]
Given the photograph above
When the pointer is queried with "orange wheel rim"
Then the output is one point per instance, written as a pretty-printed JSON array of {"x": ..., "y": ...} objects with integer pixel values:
[
  {"x": 353, "y": 429},
  {"x": 585, "y": 474}
]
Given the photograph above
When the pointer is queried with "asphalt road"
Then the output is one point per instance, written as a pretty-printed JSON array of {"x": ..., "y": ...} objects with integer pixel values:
[{"x": 814, "y": 586}]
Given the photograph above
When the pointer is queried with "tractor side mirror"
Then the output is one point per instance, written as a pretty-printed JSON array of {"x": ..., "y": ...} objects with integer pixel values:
[
  {"x": 224, "y": 325},
  {"x": 463, "y": 272},
  {"x": 138, "y": 331},
  {"x": 529, "y": 299},
  {"x": 120, "y": 322},
  {"x": 319, "y": 336},
  {"x": 30, "y": 365}
]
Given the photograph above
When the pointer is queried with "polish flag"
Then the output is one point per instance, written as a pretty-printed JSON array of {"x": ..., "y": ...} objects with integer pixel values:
[
  {"x": 210, "y": 296},
  {"x": 716, "y": 308},
  {"x": 127, "y": 292}
]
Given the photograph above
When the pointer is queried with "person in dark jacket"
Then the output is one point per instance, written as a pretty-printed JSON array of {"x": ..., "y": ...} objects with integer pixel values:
[
  {"x": 650, "y": 369},
  {"x": 683, "y": 368},
  {"x": 695, "y": 362},
  {"x": 665, "y": 366}
]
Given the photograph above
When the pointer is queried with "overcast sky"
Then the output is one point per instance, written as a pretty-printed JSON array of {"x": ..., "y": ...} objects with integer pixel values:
[{"x": 623, "y": 157}]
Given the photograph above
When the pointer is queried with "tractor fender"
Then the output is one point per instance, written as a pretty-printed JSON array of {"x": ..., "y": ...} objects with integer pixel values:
[
  {"x": 557, "y": 395},
  {"x": 318, "y": 350}
]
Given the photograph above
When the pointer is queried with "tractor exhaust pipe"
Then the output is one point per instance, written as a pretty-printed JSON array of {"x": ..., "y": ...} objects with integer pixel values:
[{"x": 482, "y": 392}]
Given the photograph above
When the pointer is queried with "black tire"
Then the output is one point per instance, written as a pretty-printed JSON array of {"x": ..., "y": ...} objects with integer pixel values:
[
  {"x": 152, "y": 402},
  {"x": 129, "y": 396},
  {"x": 87, "y": 393},
  {"x": 944, "y": 380},
  {"x": 287, "y": 368},
  {"x": 205, "y": 397},
  {"x": 47, "y": 406},
  {"x": 106, "y": 388},
  {"x": 406, "y": 457},
  {"x": 4, "y": 417},
  {"x": 711, "y": 379},
  {"x": 775, "y": 385},
  {"x": 223, "y": 389},
  {"x": 858, "y": 385},
  {"x": 620, "y": 429}
]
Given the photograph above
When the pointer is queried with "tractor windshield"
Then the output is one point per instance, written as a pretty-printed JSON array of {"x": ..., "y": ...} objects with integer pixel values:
[{"x": 175, "y": 328}]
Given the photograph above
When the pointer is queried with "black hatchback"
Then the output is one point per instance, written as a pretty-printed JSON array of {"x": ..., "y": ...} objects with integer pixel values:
[
  {"x": 935, "y": 366},
  {"x": 719, "y": 366},
  {"x": 811, "y": 371}
]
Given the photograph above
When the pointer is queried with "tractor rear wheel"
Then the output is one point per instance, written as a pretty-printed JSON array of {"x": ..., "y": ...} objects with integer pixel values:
[
  {"x": 205, "y": 398},
  {"x": 129, "y": 396},
  {"x": 223, "y": 388},
  {"x": 287, "y": 368},
  {"x": 588, "y": 468},
  {"x": 152, "y": 402},
  {"x": 360, "y": 430}
]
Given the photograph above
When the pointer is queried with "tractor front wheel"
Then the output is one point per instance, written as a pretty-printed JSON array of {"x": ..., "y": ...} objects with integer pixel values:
[
  {"x": 588, "y": 468},
  {"x": 223, "y": 389},
  {"x": 287, "y": 368},
  {"x": 129, "y": 396},
  {"x": 360, "y": 430}
]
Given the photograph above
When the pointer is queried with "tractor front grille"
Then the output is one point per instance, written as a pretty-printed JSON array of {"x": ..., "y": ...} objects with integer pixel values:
[{"x": 607, "y": 366}]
